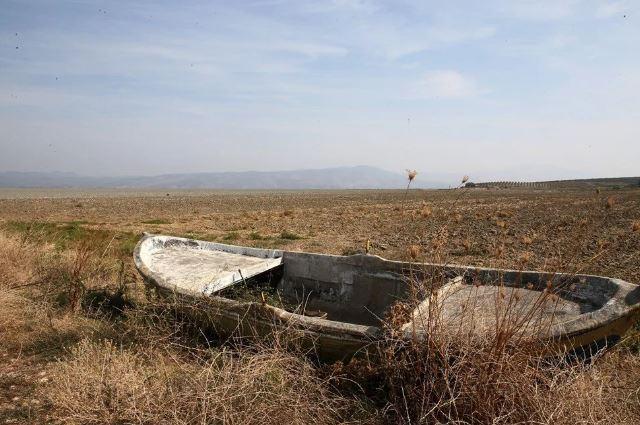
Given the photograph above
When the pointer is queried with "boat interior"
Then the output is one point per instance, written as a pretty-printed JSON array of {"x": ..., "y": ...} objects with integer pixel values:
[{"x": 360, "y": 289}]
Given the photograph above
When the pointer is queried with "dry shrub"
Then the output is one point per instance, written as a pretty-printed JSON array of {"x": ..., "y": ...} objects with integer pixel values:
[
  {"x": 425, "y": 211},
  {"x": 17, "y": 261},
  {"x": 458, "y": 377},
  {"x": 32, "y": 279},
  {"x": 65, "y": 277},
  {"x": 607, "y": 392},
  {"x": 414, "y": 252},
  {"x": 611, "y": 201},
  {"x": 101, "y": 383},
  {"x": 454, "y": 374},
  {"x": 448, "y": 380},
  {"x": 31, "y": 326}
]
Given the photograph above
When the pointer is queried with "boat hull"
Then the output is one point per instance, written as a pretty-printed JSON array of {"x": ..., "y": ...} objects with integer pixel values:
[{"x": 338, "y": 283}]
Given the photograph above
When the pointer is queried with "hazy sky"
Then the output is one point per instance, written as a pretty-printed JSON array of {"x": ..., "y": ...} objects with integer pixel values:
[{"x": 522, "y": 89}]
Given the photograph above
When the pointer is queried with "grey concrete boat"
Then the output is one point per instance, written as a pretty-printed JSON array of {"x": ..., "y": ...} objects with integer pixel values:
[{"x": 338, "y": 304}]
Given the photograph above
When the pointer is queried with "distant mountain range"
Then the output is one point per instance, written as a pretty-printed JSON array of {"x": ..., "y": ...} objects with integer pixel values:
[{"x": 360, "y": 177}]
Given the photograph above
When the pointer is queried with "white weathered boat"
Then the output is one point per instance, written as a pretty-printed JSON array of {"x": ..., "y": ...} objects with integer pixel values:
[{"x": 338, "y": 302}]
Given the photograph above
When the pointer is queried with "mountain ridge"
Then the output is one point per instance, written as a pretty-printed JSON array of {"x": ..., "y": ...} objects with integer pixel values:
[{"x": 358, "y": 177}]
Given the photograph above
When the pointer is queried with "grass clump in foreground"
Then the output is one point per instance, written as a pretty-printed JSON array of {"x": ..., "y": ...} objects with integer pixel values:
[
  {"x": 104, "y": 383},
  {"x": 290, "y": 236}
]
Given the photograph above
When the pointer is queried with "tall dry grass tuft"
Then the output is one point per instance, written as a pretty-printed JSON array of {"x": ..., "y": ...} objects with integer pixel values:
[
  {"x": 426, "y": 211},
  {"x": 606, "y": 392},
  {"x": 611, "y": 201},
  {"x": 17, "y": 261},
  {"x": 29, "y": 322},
  {"x": 102, "y": 383},
  {"x": 411, "y": 175},
  {"x": 437, "y": 371},
  {"x": 66, "y": 277},
  {"x": 439, "y": 381}
]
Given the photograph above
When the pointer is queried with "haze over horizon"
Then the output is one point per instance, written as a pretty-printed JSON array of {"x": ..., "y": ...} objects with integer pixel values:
[{"x": 533, "y": 90}]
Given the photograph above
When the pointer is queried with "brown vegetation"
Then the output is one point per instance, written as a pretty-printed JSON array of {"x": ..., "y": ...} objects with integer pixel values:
[
  {"x": 101, "y": 383},
  {"x": 82, "y": 341}
]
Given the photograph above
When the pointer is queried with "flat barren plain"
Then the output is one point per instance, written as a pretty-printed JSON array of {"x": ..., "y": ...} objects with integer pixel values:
[{"x": 585, "y": 229}]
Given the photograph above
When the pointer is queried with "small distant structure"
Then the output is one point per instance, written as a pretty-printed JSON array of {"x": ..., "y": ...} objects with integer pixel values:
[
  {"x": 512, "y": 184},
  {"x": 606, "y": 183}
]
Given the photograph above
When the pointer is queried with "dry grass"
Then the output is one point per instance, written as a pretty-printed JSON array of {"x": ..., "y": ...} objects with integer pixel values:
[
  {"x": 465, "y": 373},
  {"x": 605, "y": 393},
  {"x": 150, "y": 363},
  {"x": 32, "y": 319},
  {"x": 501, "y": 375},
  {"x": 23, "y": 320},
  {"x": 333, "y": 221},
  {"x": 17, "y": 259},
  {"x": 165, "y": 375},
  {"x": 442, "y": 381},
  {"x": 100, "y": 383}
]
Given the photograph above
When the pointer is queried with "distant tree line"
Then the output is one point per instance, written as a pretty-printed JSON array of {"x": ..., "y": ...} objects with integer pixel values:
[{"x": 507, "y": 184}]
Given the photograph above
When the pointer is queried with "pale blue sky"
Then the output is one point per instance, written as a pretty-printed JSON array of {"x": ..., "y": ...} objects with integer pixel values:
[{"x": 495, "y": 89}]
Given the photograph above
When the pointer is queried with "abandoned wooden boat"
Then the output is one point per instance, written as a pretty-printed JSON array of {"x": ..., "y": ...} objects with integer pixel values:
[{"x": 338, "y": 304}]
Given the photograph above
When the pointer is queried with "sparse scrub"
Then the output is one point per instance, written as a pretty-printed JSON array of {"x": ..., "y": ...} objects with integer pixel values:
[
  {"x": 350, "y": 251},
  {"x": 17, "y": 260},
  {"x": 231, "y": 236},
  {"x": 285, "y": 234},
  {"x": 69, "y": 235},
  {"x": 28, "y": 318},
  {"x": 152, "y": 363},
  {"x": 255, "y": 236},
  {"x": 156, "y": 221},
  {"x": 101, "y": 383}
]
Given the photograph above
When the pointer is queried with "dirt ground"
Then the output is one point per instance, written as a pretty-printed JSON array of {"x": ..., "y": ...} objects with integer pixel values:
[{"x": 580, "y": 230}]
